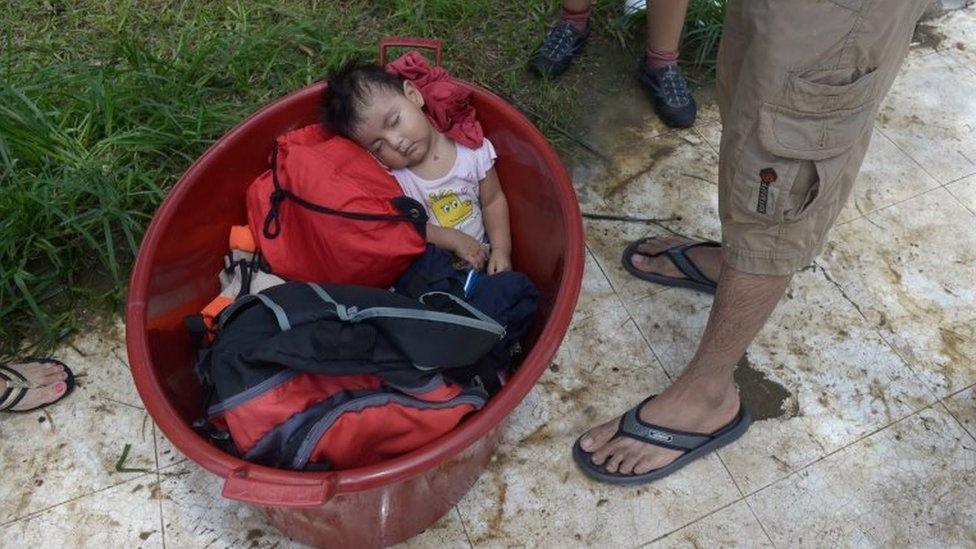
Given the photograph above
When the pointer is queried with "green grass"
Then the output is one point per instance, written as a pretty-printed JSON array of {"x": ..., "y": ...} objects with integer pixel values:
[
  {"x": 699, "y": 40},
  {"x": 103, "y": 104}
]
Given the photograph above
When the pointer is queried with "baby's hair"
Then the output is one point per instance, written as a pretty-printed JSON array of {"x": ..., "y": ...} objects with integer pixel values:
[{"x": 349, "y": 90}]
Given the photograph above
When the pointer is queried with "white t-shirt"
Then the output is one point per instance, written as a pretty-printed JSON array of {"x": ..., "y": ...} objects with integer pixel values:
[{"x": 453, "y": 201}]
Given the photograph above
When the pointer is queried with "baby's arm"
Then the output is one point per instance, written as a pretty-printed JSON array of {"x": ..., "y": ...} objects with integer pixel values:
[
  {"x": 460, "y": 243},
  {"x": 494, "y": 210}
]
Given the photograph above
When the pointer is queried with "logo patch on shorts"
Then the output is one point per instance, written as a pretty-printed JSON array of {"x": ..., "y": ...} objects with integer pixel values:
[{"x": 767, "y": 176}]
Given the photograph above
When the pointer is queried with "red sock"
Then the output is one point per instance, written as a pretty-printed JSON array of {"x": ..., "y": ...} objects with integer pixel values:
[
  {"x": 578, "y": 19},
  {"x": 658, "y": 59}
]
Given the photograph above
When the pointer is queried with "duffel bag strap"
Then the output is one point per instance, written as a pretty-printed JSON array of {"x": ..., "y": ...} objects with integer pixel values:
[
  {"x": 250, "y": 300},
  {"x": 470, "y": 332},
  {"x": 473, "y": 319},
  {"x": 218, "y": 437},
  {"x": 198, "y": 330},
  {"x": 481, "y": 374},
  {"x": 459, "y": 303}
]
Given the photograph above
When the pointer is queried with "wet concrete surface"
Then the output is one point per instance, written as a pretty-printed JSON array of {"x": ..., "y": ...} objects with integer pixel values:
[{"x": 763, "y": 397}]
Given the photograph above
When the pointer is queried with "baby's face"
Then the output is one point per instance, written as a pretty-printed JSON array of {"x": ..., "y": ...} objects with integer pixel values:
[{"x": 394, "y": 128}]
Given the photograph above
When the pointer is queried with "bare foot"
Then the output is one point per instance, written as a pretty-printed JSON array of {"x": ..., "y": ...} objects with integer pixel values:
[
  {"x": 707, "y": 259},
  {"x": 47, "y": 378},
  {"x": 679, "y": 409}
]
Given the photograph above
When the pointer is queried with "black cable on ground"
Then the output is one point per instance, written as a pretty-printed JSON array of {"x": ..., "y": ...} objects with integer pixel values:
[
  {"x": 656, "y": 221},
  {"x": 630, "y": 219}
]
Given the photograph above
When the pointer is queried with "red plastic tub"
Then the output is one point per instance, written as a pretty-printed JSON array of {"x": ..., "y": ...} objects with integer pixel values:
[{"x": 175, "y": 275}]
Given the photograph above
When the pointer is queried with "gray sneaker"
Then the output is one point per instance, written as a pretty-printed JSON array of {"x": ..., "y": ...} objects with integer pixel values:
[
  {"x": 556, "y": 51},
  {"x": 672, "y": 99}
]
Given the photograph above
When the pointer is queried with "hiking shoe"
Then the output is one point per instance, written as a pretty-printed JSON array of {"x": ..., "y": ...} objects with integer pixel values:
[
  {"x": 554, "y": 55},
  {"x": 672, "y": 98}
]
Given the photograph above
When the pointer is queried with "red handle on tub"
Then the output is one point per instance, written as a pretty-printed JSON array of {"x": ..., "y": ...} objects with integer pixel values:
[
  {"x": 410, "y": 42},
  {"x": 241, "y": 486}
]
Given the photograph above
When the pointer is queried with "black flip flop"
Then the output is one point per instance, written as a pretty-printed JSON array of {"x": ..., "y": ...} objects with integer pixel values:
[
  {"x": 17, "y": 382},
  {"x": 694, "y": 445},
  {"x": 696, "y": 280}
]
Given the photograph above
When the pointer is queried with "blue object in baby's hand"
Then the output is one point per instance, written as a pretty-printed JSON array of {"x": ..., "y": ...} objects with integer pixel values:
[{"x": 470, "y": 283}]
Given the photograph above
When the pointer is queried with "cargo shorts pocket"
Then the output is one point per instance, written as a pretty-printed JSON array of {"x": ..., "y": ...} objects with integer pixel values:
[{"x": 801, "y": 148}]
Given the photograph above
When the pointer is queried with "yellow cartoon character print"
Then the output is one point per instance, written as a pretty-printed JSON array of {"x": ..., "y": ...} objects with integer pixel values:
[{"x": 449, "y": 209}]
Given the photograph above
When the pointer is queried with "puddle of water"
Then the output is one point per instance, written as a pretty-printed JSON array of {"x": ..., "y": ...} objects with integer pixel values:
[
  {"x": 928, "y": 36},
  {"x": 763, "y": 397}
]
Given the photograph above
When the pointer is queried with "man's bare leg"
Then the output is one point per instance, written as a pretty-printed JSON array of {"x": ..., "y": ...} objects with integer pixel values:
[{"x": 704, "y": 397}]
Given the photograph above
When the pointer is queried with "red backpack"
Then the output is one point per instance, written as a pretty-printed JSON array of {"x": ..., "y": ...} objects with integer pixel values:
[
  {"x": 307, "y": 376},
  {"x": 326, "y": 211}
]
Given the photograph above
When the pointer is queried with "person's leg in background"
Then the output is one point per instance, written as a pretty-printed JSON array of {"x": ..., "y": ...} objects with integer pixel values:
[
  {"x": 577, "y": 13},
  {"x": 576, "y": 7},
  {"x": 659, "y": 71},
  {"x": 798, "y": 109}
]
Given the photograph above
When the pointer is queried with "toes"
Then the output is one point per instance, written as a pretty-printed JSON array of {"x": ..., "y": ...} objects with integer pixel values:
[
  {"x": 653, "y": 245},
  {"x": 599, "y": 457},
  {"x": 41, "y": 373},
  {"x": 627, "y": 465},
  {"x": 613, "y": 465},
  {"x": 54, "y": 376},
  {"x": 58, "y": 389},
  {"x": 607, "y": 451},
  {"x": 42, "y": 396},
  {"x": 612, "y": 455},
  {"x": 598, "y": 436},
  {"x": 627, "y": 457},
  {"x": 644, "y": 465},
  {"x": 641, "y": 262},
  {"x": 658, "y": 244},
  {"x": 659, "y": 264},
  {"x": 44, "y": 368},
  {"x": 656, "y": 460},
  {"x": 51, "y": 393}
]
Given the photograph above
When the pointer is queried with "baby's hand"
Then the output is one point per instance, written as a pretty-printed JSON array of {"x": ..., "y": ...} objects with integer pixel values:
[
  {"x": 470, "y": 250},
  {"x": 499, "y": 262}
]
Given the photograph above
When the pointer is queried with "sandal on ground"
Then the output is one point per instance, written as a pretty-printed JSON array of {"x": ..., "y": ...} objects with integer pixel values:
[
  {"x": 678, "y": 254},
  {"x": 18, "y": 386},
  {"x": 694, "y": 445}
]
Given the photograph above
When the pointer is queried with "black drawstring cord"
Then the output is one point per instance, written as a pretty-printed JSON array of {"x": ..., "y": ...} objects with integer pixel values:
[{"x": 272, "y": 224}]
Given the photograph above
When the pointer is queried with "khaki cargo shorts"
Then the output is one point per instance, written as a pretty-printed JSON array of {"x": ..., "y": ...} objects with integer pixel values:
[{"x": 799, "y": 84}]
